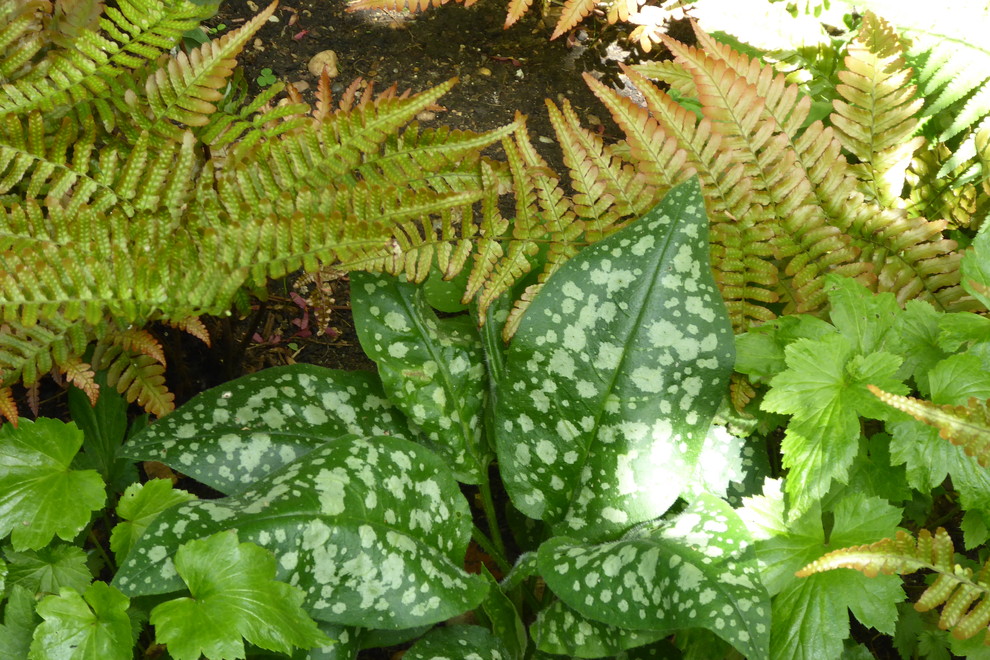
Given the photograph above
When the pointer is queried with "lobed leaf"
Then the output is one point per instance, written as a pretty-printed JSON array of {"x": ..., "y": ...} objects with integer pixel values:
[
  {"x": 84, "y": 626},
  {"x": 40, "y": 495}
]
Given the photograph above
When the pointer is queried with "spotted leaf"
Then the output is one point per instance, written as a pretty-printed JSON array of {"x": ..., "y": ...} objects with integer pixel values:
[
  {"x": 232, "y": 435},
  {"x": 458, "y": 643},
  {"x": 614, "y": 375},
  {"x": 697, "y": 570},
  {"x": 432, "y": 369},
  {"x": 374, "y": 531},
  {"x": 562, "y": 631}
]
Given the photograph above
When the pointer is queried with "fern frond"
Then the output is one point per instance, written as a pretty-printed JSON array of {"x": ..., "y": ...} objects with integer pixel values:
[
  {"x": 138, "y": 377},
  {"x": 8, "y": 407},
  {"x": 573, "y": 12},
  {"x": 186, "y": 89},
  {"x": 81, "y": 375},
  {"x": 132, "y": 34},
  {"x": 963, "y": 596},
  {"x": 27, "y": 353},
  {"x": 517, "y": 9},
  {"x": 21, "y": 36},
  {"x": 965, "y": 426},
  {"x": 395, "y": 5},
  {"x": 609, "y": 190},
  {"x": 877, "y": 118}
]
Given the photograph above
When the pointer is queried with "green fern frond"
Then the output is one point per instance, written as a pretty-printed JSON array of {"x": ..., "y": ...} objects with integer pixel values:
[
  {"x": 131, "y": 34},
  {"x": 963, "y": 596},
  {"x": 21, "y": 34},
  {"x": 27, "y": 353}
]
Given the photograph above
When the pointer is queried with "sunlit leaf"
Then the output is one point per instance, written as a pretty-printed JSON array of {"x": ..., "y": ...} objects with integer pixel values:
[{"x": 82, "y": 627}]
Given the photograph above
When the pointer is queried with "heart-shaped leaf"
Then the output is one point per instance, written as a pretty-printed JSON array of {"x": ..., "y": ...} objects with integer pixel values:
[
  {"x": 234, "y": 434},
  {"x": 615, "y": 374},
  {"x": 373, "y": 530}
]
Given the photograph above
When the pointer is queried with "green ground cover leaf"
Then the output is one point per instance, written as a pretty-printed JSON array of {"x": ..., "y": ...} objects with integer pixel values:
[
  {"x": 810, "y": 619},
  {"x": 760, "y": 352},
  {"x": 137, "y": 507},
  {"x": 976, "y": 267},
  {"x": 696, "y": 570},
  {"x": 562, "y": 631},
  {"x": 82, "y": 627},
  {"x": 373, "y": 530},
  {"x": 104, "y": 427},
  {"x": 49, "y": 569},
  {"x": 234, "y": 595},
  {"x": 458, "y": 643},
  {"x": 824, "y": 389},
  {"x": 614, "y": 374},
  {"x": 232, "y": 435},
  {"x": 918, "y": 330},
  {"x": 40, "y": 495},
  {"x": 19, "y": 621},
  {"x": 867, "y": 319},
  {"x": 432, "y": 369}
]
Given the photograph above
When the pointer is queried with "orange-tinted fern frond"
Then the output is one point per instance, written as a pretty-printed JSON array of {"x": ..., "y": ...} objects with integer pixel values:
[
  {"x": 140, "y": 378},
  {"x": 186, "y": 88},
  {"x": 517, "y": 8},
  {"x": 963, "y": 596},
  {"x": 81, "y": 375},
  {"x": 609, "y": 189},
  {"x": 878, "y": 116},
  {"x": 573, "y": 12},
  {"x": 396, "y": 5},
  {"x": 966, "y": 426},
  {"x": 8, "y": 407}
]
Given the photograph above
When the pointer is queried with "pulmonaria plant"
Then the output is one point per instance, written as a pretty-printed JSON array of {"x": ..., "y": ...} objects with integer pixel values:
[{"x": 344, "y": 486}]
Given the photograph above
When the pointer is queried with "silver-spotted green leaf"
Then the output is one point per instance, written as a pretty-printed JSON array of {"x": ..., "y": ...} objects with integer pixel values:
[
  {"x": 503, "y": 619},
  {"x": 697, "y": 570},
  {"x": 562, "y": 631},
  {"x": 234, "y": 434},
  {"x": 137, "y": 507},
  {"x": 233, "y": 597},
  {"x": 40, "y": 495},
  {"x": 458, "y": 643},
  {"x": 82, "y": 627},
  {"x": 373, "y": 530},
  {"x": 614, "y": 376},
  {"x": 432, "y": 369}
]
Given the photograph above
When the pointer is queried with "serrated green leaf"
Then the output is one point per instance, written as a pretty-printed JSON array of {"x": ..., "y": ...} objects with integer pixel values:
[
  {"x": 234, "y": 595},
  {"x": 48, "y": 570},
  {"x": 560, "y": 630},
  {"x": 697, "y": 570},
  {"x": 824, "y": 388},
  {"x": 955, "y": 330},
  {"x": 957, "y": 378},
  {"x": 458, "y": 643},
  {"x": 918, "y": 328},
  {"x": 868, "y": 320},
  {"x": 235, "y": 434},
  {"x": 137, "y": 507},
  {"x": 810, "y": 618},
  {"x": 82, "y": 627},
  {"x": 19, "y": 621},
  {"x": 432, "y": 369},
  {"x": 40, "y": 495},
  {"x": 976, "y": 268},
  {"x": 614, "y": 374},
  {"x": 373, "y": 530},
  {"x": 760, "y": 352}
]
